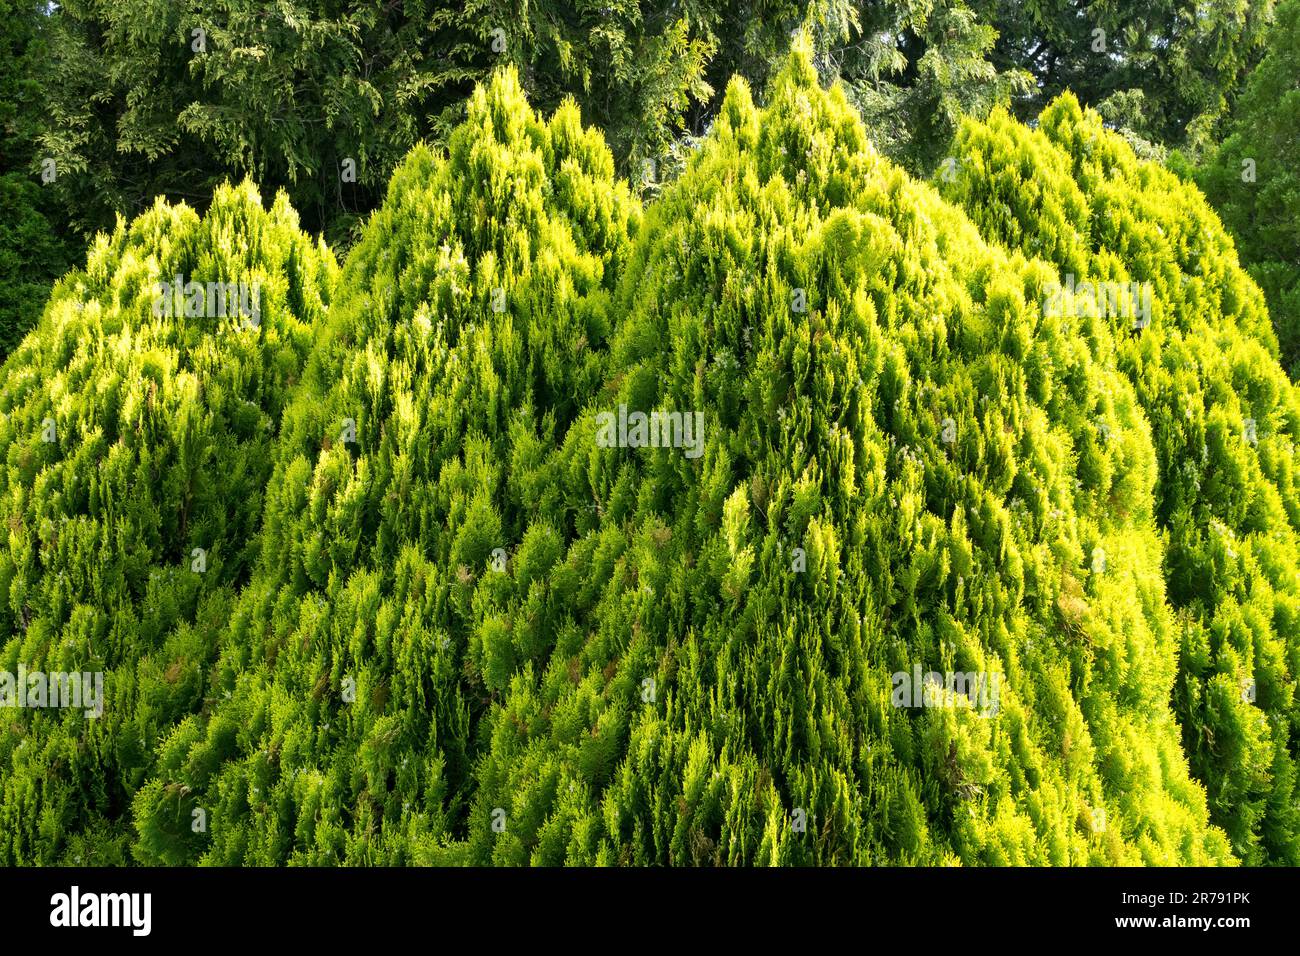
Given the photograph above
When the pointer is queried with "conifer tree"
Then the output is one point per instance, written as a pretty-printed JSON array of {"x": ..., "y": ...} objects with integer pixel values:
[
  {"x": 138, "y": 420},
  {"x": 901, "y": 469},
  {"x": 1166, "y": 70},
  {"x": 563, "y": 529},
  {"x": 1253, "y": 180},
  {"x": 487, "y": 627},
  {"x": 353, "y": 674},
  {"x": 1224, "y": 420},
  {"x": 33, "y": 253}
]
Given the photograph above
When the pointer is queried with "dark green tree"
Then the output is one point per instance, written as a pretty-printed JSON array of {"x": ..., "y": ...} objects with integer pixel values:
[
  {"x": 33, "y": 250},
  {"x": 1253, "y": 179},
  {"x": 148, "y": 97},
  {"x": 1168, "y": 70},
  {"x": 915, "y": 70}
]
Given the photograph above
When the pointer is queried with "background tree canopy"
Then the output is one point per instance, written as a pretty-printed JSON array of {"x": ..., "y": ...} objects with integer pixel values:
[{"x": 1253, "y": 178}]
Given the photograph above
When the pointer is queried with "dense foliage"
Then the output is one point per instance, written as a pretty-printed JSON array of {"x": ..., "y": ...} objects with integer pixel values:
[
  {"x": 467, "y": 330},
  {"x": 137, "y": 448},
  {"x": 1224, "y": 420},
  {"x": 1254, "y": 179},
  {"x": 131, "y": 99},
  {"x": 31, "y": 258},
  {"x": 1167, "y": 70},
  {"x": 648, "y": 671},
  {"x": 34, "y": 253},
  {"x": 373, "y": 579},
  {"x": 323, "y": 100},
  {"x": 826, "y": 433}
]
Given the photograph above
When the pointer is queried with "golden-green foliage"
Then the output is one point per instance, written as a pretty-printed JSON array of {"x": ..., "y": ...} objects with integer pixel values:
[
  {"x": 463, "y": 336},
  {"x": 1224, "y": 422},
  {"x": 131, "y": 439},
  {"x": 1024, "y": 547},
  {"x": 482, "y": 626}
]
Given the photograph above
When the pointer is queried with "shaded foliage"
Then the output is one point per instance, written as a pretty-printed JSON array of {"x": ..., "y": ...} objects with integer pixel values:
[{"x": 1253, "y": 179}]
